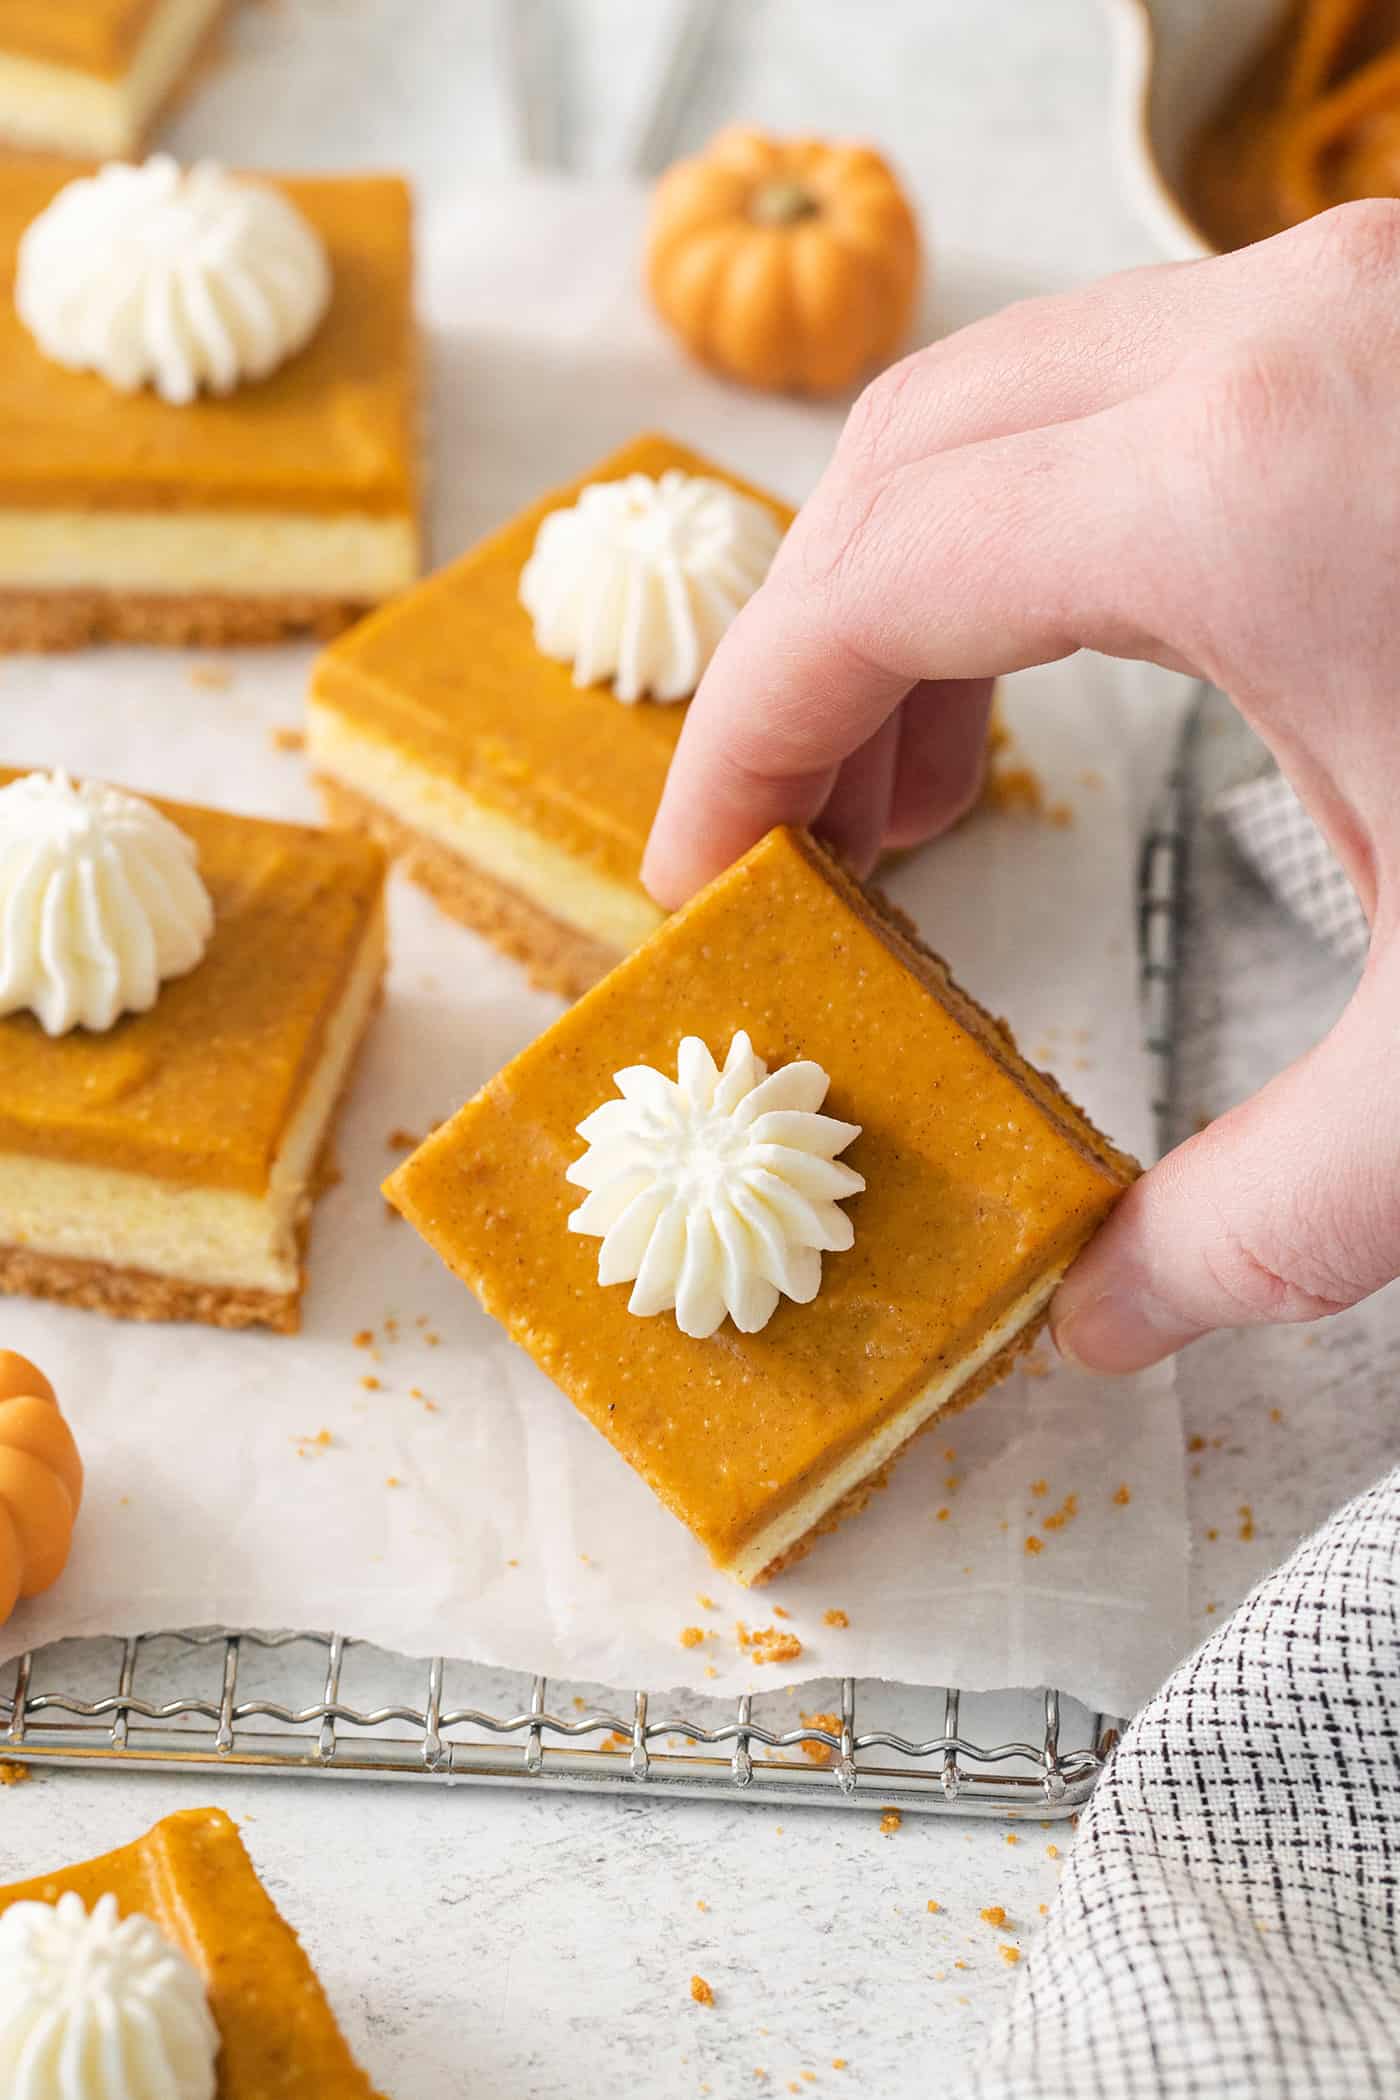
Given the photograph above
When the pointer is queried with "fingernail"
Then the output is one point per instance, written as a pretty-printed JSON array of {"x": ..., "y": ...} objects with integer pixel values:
[{"x": 1119, "y": 1331}]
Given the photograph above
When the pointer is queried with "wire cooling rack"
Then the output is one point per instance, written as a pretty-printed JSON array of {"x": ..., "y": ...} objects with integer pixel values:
[{"x": 324, "y": 1705}]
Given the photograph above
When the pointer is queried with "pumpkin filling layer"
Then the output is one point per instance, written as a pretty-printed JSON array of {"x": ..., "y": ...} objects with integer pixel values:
[
  {"x": 89, "y": 80},
  {"x": 301, "y": 485},
  {"x": 235, "y": 1238},
  {"x": 441, "y": 709},
  {"x": 192, "y": 1877},
  {"x": 981, "y": 1184}
]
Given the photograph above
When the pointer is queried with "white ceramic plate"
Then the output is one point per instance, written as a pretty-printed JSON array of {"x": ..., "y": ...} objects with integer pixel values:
[{"x": 1174, "y": 60}]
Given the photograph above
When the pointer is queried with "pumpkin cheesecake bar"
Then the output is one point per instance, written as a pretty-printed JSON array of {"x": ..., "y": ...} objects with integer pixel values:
[
  {"x": 168, "y": 1085},
  {"x": 245, "y": 467},
  {"x": 173, "y": 1952},
  {"x": 92, "y": 77},
  {"x": 506, "y": 727},
  {"x": 841, "y": 1196}
]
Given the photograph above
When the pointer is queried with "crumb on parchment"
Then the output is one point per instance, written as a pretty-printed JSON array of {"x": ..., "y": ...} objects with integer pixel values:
[
  {"x": 12, "y": 1774},
  {"x": 1010, "y": 1955},
  {"x": 700, "y": 1991},
  {"x": 692, "y": 1636},
  {"x": 1035, "y": 1545},
  {"x": 766, "y": 1644},
  {"x": 287, "y": 740},
  {"x": 403, "y": 1141},
  {"x": 993, "y": 1915},
  {"x": 934, "y": 1904},
  {"x": 890, "y": 1821},
  {"x": 835, "y": 1617}
]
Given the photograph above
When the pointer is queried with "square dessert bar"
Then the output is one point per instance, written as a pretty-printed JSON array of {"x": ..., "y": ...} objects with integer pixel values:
[
  {"x": 192, "y": 1878},
  {"x": 520, "y": 800},
  {"x": 981, "y": 1184},
  {"x": 92, "y": 77},
  {"x": 165, "y": 1168},
  {"x": 290, "y": 503}
]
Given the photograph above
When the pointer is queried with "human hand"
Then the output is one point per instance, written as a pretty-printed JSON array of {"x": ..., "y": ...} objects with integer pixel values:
[{"x": 1197, "y": 466}]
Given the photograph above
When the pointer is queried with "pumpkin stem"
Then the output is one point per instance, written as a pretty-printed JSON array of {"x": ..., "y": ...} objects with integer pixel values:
[{"x": 782, "y": 203}]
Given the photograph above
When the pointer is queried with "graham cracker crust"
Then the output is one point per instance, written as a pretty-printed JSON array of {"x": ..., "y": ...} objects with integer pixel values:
[
  {"x": 137, "y": 1294},
  {"x": 854, "y": 1500},
  {"x": 557, "y": 958},
  {"x": 42, "y": 621}
]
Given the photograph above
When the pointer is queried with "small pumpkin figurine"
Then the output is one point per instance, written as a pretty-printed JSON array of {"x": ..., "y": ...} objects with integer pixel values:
[
  {"x": 791, "y": 264},
  {"x": 41, "y": 1483}
]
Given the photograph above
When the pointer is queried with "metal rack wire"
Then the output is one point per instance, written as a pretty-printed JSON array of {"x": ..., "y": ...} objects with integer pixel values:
[
  {"x": 134, "y": 1702},
  {"x": 707, "y": 1747}
]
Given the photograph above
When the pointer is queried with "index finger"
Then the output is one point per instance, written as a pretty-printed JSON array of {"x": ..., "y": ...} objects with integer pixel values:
[{"x": 958, "y": 567}]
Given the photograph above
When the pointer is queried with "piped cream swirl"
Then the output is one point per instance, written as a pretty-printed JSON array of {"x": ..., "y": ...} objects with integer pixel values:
[
  {"x": 184, "y": 280},
  {"x": 636, "y": 582},
  {"x": 94, "y": 2006},
  {"x": 100, "y": 900},
  {"x": 715, "y": 1192}
]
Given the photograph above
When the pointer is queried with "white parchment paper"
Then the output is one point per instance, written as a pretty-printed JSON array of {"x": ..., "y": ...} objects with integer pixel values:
[{"x": 457, "y": 1504}]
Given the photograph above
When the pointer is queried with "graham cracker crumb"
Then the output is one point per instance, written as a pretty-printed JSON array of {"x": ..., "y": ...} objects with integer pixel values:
[
  {"x": 12, "y": 1774},
  {"x": 1060, "y": 815},
  {"x": 1010, "y": 1955},
  {"x": 1035, "y": 1545},
  {"x": 217, "y": 678},
  {"x": 779, "y": 1613},
  {"x": 1246, "y": 1521},
  {"x": 365, "y": 1338},
  {"x": 1011, "y": 1838},
  {"x": 370, "y": 1382},
  {"x": 821, "y": 1753},
  {"x": 993, "y": 1915},
  {"x": 616, "y": 1742},
  {"x": 933, "y": 1905},
  {"x": 1015, "y": 789},
  {"x": 1040, "y": 1487},
  {"x": 392, "y": 1481},
  {"x": 1052, "y": 1851},
  {"x": 838, "y": 2063},
  {"x": 701, "y": 1904},
  {"x": 1123, "y": 1496},
  {"x": 942, "y": 1515},
  {"x": 692, "y": 1636},
  {"x": 767, "y": 1645},
  {"x": 835, "y": 1617},
  {"x": 700, "y": 1991},
  {"x": 705, "y": 1603},
  {"x": 404, "y": 1141},
  {"x": 710, "y": 1670},
  {"x": 890, "y": 1820},
  {"x": 287, "y": 740}
]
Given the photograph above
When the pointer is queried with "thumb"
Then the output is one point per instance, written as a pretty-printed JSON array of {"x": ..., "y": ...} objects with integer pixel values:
[{"x": 1288, "y": 1208}]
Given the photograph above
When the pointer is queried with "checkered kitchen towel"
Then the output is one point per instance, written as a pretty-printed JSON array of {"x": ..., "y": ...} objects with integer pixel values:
[
  {"x": 1278, "y": 838},
  {"x": 1228, "y": 1926}
]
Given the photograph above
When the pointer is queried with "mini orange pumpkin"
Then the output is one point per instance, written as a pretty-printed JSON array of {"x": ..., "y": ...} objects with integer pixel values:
[
  {"x": 786, "y": 263},
  {"x": 41, "y": 1483}
]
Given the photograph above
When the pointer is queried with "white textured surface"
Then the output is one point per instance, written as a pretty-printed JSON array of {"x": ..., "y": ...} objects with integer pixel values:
[{"x": 505, "y": 1946}]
